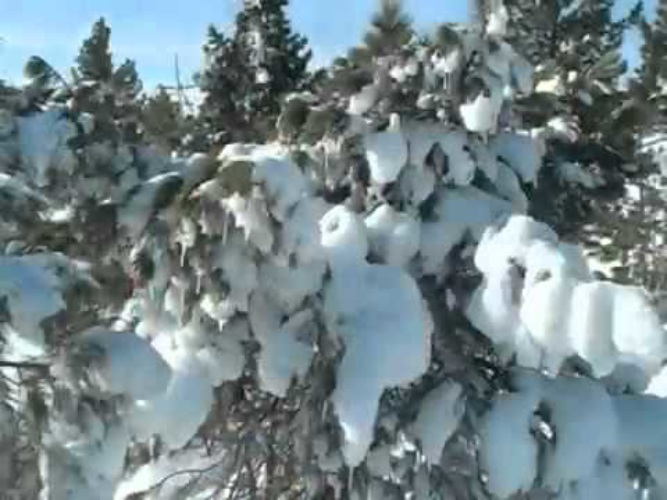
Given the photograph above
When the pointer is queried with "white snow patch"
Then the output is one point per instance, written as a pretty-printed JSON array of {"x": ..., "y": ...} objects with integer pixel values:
[{"x": 378, "y": 313}]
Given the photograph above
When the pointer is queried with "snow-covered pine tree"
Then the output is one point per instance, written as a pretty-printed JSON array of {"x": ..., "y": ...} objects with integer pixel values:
[
  {"x": 110, "y": 94},
  {"x": 576, "y": 47},
  {"x": 390, "y": 29},
  {"x": 635, "y": 224},
  {"x": 415, "y": 335},
  {"x": 248, "y": 73}
]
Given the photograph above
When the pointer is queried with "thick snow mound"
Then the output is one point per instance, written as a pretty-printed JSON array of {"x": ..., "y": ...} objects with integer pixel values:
[
  {"x": 509, "y": 451},
  {"x": 289, "y": 286},
  {"x": 177, "y": 414},
  {"x": 562, "y": 309},
  {"x": 584, "y": 454},
  {"x": 31, "y": 292},
  {"x": 459, "y": 212},
  {"x": 44, "y": 143},
  {"x": 122, "y": 363},
  {"x": 481, "y": 114},
  {"x": 520, "y": 152},
  {"x": 301, "y": 231},
  {"x": 282, "y": 357},
  {"x": 439, "y": 415},
  {"x": 344, "y": 234},
  {"x": 223, "y": 356},
  {"x": 386, "y": 152},
  {"x": 394, "y": 236},
  {"x": 283, "y": 182},
  {"x": 582, "y": 436},
  {"x": 378, "y": 313}
]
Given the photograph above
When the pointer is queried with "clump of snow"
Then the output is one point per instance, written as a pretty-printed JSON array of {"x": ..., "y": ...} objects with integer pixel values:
[
  {"x": 83, "y": 466},
  {"x": 386, "y": 152},
  {"x": 589, "y": 326},
  {"x": 142, "y": 202},
  {"x": 508, "y": 186},
  {"x": 32, "y": 292},
  {"x": 481, "y": 114},
  {"x": 498, "y": 19},
  {"x": 113, "y": 359},
  {"x": 460, "y": 166},
  {"x": 283, "y": 182},
  {"x": 553, "y": 85},
  {"x": 394, "y": 236},
  {"x": 283, "y": 357},
  {"x": 522, "y": 74},
  {"x": 439, "y": 415},
  {"x": 176, "y": 414},
  {"x": 223, "y": 355},
  {"x": 238, "y": 272},
  {"x": 658, "y": 384},
  {"x": 377, "y": 312},
  {"x": 574, "y": 173},
  {"x": 531, "y": 283},
  {"x": 584, "y": 454},
  {"x": 289, "y": 286},
  {"x": 509, "y": 451},
  {"x": 521, "y": 153},
  {"x": 458, "y": 212},
  {"x": 581, "y": 436},
  {"x": 364, "y": 100},
  {"x": 416, "y": 184},
  {"x": 43, "y": 142},
  {"x": 344, "y": 234},
  {"x": 252, "y": 216},
  {"x": 301, "y": 232}
]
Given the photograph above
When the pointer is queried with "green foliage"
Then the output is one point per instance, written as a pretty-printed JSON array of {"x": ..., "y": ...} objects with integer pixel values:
[
  {"x": 161, "y": 119},
  {"x": 94, "y": 60},
  {"x": 654, "y": 65},
  {"x": 109, "y": 94},
  {"x": 390, "y": 29},
  {"x": 248, "y": 72}
]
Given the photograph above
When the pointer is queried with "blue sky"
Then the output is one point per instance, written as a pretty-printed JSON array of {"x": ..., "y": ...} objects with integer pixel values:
[{"x": 152, "y": 31}]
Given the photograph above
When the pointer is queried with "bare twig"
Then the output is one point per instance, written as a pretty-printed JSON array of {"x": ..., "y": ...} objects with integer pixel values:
[{"x": 23, "y": 365}]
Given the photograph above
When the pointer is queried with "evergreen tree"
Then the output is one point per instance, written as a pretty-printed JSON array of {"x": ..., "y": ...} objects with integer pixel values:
[
  {"x": 108, "y": 93},
  {"x": 576, "y": 49},
  {"x": 636, "y": 222},
  {"x": 390, "y": 29},
  {"x": 649, "y": 102},
  {"x": 162, "y": 120},
  {"x": 94, "y": 59},
  {"x": 365, "y": 314},
  {"x": 576, "y": 46},
  {"x": 653, "y": 69},
  {"x": 247, "y": 74}
]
